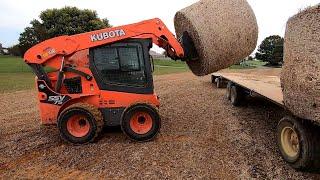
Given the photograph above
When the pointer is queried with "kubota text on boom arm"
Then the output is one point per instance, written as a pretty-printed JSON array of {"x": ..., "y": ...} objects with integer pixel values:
[{"x": 66, "y": 45}]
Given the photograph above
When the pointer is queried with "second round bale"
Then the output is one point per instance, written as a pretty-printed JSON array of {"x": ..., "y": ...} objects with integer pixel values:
[
  {"x": 223, "y": 32},
  {"x": 300, "y": 76}
]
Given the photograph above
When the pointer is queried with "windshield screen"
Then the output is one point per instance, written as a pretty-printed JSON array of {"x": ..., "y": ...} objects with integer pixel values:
[{"x": 121, "y": 64}]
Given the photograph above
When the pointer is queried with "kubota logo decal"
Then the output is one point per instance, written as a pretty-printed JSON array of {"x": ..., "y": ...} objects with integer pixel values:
[
  {"x": 48, "y": 52},
  {"x": 107, "y": 35},
  {"x": 57, "y": 100}
]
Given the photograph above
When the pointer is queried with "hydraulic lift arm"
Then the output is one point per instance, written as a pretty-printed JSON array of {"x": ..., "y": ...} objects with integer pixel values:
[{"x": 62, "y": 46}]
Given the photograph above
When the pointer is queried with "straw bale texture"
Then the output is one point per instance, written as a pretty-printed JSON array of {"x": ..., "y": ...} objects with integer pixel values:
[
  {"x": 224, "y": 32},
  {"x": 300, "y": 77}
]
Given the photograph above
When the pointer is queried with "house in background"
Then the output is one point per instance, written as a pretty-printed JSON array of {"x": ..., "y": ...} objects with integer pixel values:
[
  {"x": 3, "y": 51},
  {"x": 156, "y": 55}
]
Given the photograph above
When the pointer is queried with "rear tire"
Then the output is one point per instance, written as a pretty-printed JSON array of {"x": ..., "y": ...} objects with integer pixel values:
[
  {"x": 236, "y": 95},
  {"x": 297, "y": 141},
  {"x": 80, "y": 123},
  {"x": 141, "y": 122}
]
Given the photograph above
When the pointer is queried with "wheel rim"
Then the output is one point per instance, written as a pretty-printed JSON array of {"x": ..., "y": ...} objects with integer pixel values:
[
  {"x": 141, "y": 123},
  {"x": 78, "y": 126},
  {"x": 290, "y": 142}
]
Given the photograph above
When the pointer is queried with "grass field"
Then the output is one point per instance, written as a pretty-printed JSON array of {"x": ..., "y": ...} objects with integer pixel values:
[
  {"x": 15, "y": 75},
  {"x": 10, "y": 82},
  {"x": 169, "y": 67},
  {"x": 9, "y": 64},
  {"x": 249, "y": 65}
]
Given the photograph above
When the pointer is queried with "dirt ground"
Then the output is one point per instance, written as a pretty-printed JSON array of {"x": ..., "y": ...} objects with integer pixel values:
[{"x": 202, "y": 136}]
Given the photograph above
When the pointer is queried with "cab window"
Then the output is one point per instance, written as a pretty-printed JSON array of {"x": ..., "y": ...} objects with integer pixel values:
[{"x": 122, "y": 65}]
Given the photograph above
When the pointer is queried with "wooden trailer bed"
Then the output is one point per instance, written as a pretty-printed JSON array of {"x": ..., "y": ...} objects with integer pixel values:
[{"x": 262, "y": 84}]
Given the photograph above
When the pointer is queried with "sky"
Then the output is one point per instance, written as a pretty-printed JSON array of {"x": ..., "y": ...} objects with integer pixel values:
[{"x": 15, "y": 15}]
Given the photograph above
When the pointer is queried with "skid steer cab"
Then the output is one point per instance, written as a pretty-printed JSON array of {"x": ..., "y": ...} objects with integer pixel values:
[{"x": 102, "y": 78}]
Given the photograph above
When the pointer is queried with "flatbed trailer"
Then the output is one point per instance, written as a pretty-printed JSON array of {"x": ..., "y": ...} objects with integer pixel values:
[{"x": 298, "y": 139}]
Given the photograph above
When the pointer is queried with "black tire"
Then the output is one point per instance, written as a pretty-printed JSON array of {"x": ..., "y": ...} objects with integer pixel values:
[
  {"x": 90, "y": 118},
  {"x": 228, "y": 90},
  {"x": 218, "y": 83},
  {"x": 131, "y": 114},
  {"x": 213, "y": 79},
  {"x": 306, "y": 156},
  {"x": 236, "y": 95}
]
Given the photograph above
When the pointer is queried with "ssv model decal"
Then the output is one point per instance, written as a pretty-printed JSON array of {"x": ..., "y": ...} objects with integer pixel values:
[{"x": 57, "y": 100}]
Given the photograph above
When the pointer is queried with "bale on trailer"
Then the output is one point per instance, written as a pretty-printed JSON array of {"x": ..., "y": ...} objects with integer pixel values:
[
  {"x": 223, "y": 32},
  {"x": 301, "y": 71}
]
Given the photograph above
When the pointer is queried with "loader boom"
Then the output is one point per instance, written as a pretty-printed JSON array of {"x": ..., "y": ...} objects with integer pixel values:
[{"x": 62, "y": 46}]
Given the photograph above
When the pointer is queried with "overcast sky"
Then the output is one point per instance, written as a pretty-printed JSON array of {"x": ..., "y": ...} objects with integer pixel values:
[{"x": 15, "y": 15}]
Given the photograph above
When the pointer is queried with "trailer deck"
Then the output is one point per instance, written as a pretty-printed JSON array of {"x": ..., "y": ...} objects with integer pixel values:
[{"x": 268, "y": 86}]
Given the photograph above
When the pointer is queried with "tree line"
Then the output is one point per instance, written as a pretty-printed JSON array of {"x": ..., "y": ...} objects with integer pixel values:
[
  {"x": 271, "y": 50},
  {"x": 58, "y": 22}
]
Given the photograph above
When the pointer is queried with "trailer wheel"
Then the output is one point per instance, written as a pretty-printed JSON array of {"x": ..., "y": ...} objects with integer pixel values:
[
  {"x": 297, "y": 143},
  {"x": 218, "y": 82},
  {"x": 213, "y": 79},
  {"x": 228, "y": 90},
  {"x": 141, "y": 122},
  {"x": 236, "y": 95},
  {"x": 80, "y": 123}
]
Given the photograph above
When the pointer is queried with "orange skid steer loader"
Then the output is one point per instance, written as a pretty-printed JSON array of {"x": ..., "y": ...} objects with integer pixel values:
[{"x": 103, "y": 78}]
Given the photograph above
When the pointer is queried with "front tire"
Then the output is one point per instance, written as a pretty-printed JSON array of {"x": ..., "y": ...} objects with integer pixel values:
[
  {"x": 80, "y": 124},
  {"x": 297, "y": 143},
  {"x": 141, "y": 122}
]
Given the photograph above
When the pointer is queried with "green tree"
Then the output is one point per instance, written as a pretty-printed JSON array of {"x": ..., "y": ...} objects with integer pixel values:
[
  {"x": 57, "y": 22},
  {"x": 271, "y": 50},
  {"x": 15, "y": 50},
  {"x": 31, "y": 36}
]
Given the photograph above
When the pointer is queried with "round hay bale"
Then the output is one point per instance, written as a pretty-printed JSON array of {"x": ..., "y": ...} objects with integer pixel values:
[
  {"x": 224, "y": 32},
  {"x": 300, "y": 76}
]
